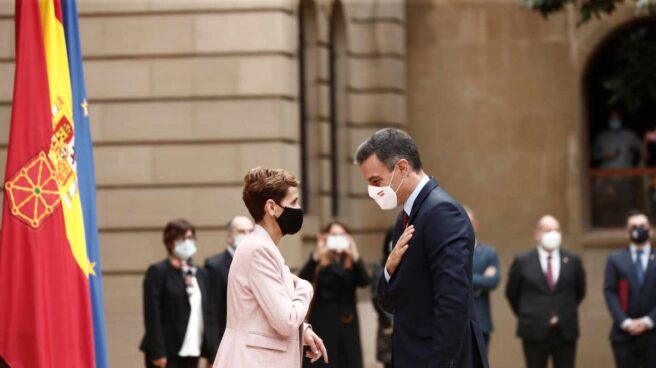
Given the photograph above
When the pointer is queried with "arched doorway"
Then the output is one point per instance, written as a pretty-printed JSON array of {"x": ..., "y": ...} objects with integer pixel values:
[{"x": 620, "y": 93}]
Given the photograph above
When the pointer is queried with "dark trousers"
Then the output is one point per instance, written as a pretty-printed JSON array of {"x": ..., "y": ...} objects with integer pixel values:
[
  {"x": 633, "y": 355},
  {"x": 176, "y": 362},
  {"x": 563, "y": 352},
  {"x": 486, "y": 338}
]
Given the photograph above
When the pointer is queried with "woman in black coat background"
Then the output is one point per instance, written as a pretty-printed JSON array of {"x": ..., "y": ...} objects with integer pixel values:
[
  {"x": 335, "y": 270},
  {"x": 180, "y": 325}
]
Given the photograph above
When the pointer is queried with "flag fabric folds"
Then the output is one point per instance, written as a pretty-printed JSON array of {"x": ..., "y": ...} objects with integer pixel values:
[
  {"x": 85, "y": 173},
  {"x": 51, "y": 311}
]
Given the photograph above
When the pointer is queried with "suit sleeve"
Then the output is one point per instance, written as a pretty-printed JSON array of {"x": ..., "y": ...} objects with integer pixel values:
[
  {"x": 514, "y": 286},
  {"x": 155, "y": 346},
  {"x": 381, "y": 291},
  {"x": 285, "y": 314},
  {"x": 209, "y": 317},
  {"x": 488, "y": 283},
  {"x": 448, "y": 244},
  {"x": 384, "y": 318},
  {"x": 216, "y": 284},
  {"x": 611, "y": 293},
  {"x": 580, "y": 283}
]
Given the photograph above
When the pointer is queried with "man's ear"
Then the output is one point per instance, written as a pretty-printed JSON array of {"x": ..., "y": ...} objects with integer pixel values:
[{"x": 404, "y": 167}]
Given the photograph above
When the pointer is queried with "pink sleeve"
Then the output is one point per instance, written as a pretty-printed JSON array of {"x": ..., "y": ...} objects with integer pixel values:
[{"x": 285, "y": 313}]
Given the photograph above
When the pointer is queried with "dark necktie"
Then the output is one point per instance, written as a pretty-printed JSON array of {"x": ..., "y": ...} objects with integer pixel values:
[
  {"x": 405, "y": 220},
  {"x": 550, "y": 280},
  {"x": 640, "y": 271}
]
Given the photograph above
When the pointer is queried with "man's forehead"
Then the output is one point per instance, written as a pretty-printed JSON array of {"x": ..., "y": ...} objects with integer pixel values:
[
  {"x": 372, "y": 168},
  {"x": 638, "y": 219}
]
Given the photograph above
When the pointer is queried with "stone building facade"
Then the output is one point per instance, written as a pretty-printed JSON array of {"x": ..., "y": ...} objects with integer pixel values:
[{"x": 187, "y": 95}]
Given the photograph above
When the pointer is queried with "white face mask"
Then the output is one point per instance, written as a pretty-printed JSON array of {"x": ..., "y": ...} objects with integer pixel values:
[
  {"x": 237, "y": 239},
  {"x": 386, "y": 196},
  {"x": 551, "y": 240},
  {"x": 185, "y": 249}
]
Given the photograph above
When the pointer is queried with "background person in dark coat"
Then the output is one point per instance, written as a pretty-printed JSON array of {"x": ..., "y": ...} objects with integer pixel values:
[
  {"x": 427, "y": 280},
  {"x": 385, "y": 319},
  {"x": 335, "y": 270},
  {"x": 180, "y": 325},
  {"x": 630, "y": 291},
  {"x": 218, "y": 267},
  {"x": 487, "y": 276},
  {"x": 545, "y": 287}
]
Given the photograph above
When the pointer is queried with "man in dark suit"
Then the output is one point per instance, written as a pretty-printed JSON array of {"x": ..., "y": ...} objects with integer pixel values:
[
  {"x": 427, "y": 279},
  {"x": 486, "y": 278},
  {"x": 545, "y": 287},
  {"x": 218, "y": 267},
  {"x": 630, "y": 291}
]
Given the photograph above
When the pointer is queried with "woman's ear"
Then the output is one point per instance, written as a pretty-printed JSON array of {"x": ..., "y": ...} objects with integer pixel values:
[{"x": 270, "y": 207}]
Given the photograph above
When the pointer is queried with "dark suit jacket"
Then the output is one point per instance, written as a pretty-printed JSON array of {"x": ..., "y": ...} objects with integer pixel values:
[
  {"x": 430, "y": 294},
  {"x": 534, "y": 303},
  {"x": 218, "y": 268},
  {"x": 484, "y": 256},
  {"x": 167, "y": 309},
  {"x": 641, "y": 300}
]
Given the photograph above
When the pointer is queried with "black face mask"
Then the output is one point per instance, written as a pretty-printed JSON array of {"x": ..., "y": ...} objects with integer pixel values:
[
  {"x": 290, "y": 220},
  {"x": 639, "y": 235}
]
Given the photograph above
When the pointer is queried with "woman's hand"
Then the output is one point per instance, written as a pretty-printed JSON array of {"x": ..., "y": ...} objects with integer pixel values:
[
  {"x": 322, "y": 254},
  {"x": 161, "y": 362},
  {"x": 317, "y": 349},
  {"x": 352, "y": 250},
  {"x": 399, "y": 250}
]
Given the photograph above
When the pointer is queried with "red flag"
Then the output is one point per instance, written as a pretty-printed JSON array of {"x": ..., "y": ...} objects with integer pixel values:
[{"x": 45, "y": 318}]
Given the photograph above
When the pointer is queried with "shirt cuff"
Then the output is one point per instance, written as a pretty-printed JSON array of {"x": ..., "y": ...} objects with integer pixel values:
[
  {"x": 387, "y": 275},
  {"x": 626, "y": 323},
  {"x": 648, "y": 321}
]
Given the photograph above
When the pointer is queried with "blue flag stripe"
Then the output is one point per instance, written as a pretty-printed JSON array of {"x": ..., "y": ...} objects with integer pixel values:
[{"x": 86, "y": 175}]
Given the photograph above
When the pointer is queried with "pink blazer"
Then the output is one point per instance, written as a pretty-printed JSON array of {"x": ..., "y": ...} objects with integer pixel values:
[{"x": 266, "y": 308}]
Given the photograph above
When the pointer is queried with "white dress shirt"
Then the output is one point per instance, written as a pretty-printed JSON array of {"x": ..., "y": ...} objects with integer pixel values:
[
  {"x": 194, "y": 335},
  {"x": 555, "y": 262},
  {"x": 646, "y": 253},
  {"x": 407, "y": 208}
]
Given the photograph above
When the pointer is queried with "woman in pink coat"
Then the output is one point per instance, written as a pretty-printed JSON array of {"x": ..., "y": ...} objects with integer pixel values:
[{"x": 267, "y": 304}]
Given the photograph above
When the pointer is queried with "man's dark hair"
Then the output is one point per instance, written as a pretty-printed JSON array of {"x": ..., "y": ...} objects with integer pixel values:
[{"x": 390, "y": 145}]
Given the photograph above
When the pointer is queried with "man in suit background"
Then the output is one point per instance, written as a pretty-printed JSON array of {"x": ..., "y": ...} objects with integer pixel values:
[
  {"x": 426, "y": 282},
  {"x": 486, "y": 278},
  {"x": 218, "y": 267},
  {"x": 545, "y": 287},
  {"x": 630, "y": 291}
]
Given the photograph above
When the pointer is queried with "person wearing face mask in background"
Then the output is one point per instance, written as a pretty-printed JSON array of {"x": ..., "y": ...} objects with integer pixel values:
[
  {"x": 614, "y": 149},
  {"x": 486, "y": 279},
  {"x": 180, "y": 325},
  {"x": 267, "y": 304},
  {"x": 617, "y": 147},
  {"x": 218, "y": 267},
  {"x": 630, "y": 291},
  {"x": 545, "y": 288},
  {"x": 335, "y": 270}
]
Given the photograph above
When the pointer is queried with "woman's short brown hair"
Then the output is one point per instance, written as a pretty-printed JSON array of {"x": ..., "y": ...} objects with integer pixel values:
[
  {"x": 176, "y": 229},
  {"x": 262, "y": 184}
]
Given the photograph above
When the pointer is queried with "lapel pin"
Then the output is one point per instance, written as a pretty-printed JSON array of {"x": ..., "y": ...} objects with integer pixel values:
[{"x": 566, "y": 259}]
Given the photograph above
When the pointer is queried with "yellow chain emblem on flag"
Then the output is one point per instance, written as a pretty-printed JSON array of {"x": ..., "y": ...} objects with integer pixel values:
[{"x": 33, "y": 191}]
